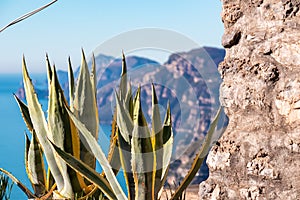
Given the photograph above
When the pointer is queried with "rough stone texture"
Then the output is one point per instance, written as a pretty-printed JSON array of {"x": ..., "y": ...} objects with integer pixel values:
[{"x": 258, "y": 157}]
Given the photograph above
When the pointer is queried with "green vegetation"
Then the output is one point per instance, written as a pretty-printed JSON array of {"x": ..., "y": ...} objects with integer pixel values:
[{"x": 67, "y": 141}]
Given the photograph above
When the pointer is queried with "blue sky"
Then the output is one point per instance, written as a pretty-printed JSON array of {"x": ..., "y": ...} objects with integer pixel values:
[{"x": 64, "y": 28}]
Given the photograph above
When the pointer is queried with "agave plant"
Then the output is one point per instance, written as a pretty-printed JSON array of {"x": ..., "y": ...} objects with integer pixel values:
[
  {"x": 143, "y": 156},
  {"x": 67, "y": 140},
  {"x": 58, "y": 179}
]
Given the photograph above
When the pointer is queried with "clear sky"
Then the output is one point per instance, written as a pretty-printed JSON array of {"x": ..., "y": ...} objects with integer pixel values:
[{"x": 64, "y": 28}]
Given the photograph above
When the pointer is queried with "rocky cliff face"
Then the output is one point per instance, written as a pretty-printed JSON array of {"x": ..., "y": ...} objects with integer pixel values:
[{"x": 258, "y": 157}]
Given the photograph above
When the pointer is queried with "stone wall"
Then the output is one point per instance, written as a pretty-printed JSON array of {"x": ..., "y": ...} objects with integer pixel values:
[{"x": 258, "y": 157}]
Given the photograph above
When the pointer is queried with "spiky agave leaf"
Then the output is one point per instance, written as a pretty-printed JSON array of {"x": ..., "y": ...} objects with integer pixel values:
[
  {"x": 124, "y": 115},
  {"x": 93, "y": 75},
  {"x": 35, "y": 167},
  {"x": 200, "y": 156},
  {"x": 93, "y": 78},
  {"x": 157, "y": 140},
  {"x": 125, "y": 126},
  {"x": 85, "y": 108},
  {"x": 166, "y": 151},
  {"x": 59, "y": 127},
  {"x": 113, "y": 154},
  {"x": 27, "y": 146},
  {"x": 49, "y": 71},
  {"x": 71, "y": 84},
  {"x": 142, "y": 152},
  {"x": 64, "y": 134},
  {"x": 25, "y": 113},
  {"x": 50, "y": 182},
  {"x": 148, "y": 184},
  {"x": 124, "y": 120},
  {"x": 87, "y": 172},
  {"x": 98, "y": 153},
  {"x": 129, "y": 101},
  {"x": 123, "y": 82},
  {"x": 40, "y": 185},
  {"x": 114, "y": 149},
  {"x": 167, "y": 142},
  {"x": 40, "y": 126},
  {"x": 162, "y": 137}
]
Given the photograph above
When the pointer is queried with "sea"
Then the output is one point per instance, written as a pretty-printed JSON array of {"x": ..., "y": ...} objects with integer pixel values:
[{"x": 13, "y": 130}]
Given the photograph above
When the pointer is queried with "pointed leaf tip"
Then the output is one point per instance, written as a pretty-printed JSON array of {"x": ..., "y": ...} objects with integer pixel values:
[
  {"x": 154, "y": 96},
  {"x": 168, "y": 119},
  {"x": 23, "y": 61},
  {"x": 123, "y": 55},
  {"x": 83, "y": 59},
  {"x": 124, "y": 66}
]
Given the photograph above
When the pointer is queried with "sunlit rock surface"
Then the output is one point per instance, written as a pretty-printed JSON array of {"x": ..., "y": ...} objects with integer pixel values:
[{"x": 258, "y": 157}]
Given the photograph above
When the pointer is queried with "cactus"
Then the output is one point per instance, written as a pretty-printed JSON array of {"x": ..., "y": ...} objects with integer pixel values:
[{"x": 68, "y": 141}]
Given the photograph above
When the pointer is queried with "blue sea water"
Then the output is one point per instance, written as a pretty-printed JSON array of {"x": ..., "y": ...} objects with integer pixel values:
[{"x": 12, "y": 129}]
